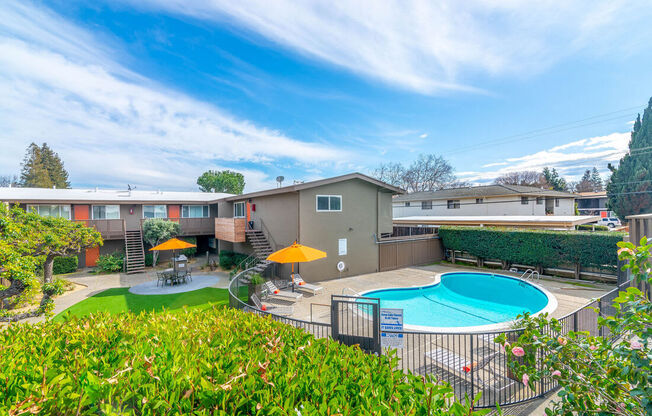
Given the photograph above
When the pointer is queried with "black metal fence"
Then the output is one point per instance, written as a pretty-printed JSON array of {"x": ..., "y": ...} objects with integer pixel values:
[{"x": 472, "y": 363}]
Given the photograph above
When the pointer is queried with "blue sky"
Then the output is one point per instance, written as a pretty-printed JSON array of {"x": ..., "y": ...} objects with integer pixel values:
[{"x": 154, "y": 92}]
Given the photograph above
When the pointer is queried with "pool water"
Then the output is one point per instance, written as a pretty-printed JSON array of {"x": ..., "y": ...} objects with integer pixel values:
[{"x": 464, "y": 299}]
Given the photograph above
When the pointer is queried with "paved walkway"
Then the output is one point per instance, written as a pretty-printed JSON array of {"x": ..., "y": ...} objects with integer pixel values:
[{"x": 198, "y": 282}]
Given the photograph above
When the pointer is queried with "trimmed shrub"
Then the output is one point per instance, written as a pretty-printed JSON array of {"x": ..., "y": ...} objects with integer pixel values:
[
  {"x": 63, "y": 265},
  {"x": 111, "y": 263},
  {"x": 149, "y": 259},
  {"x": 230, "y": 259},
  {"x": 544, "y": 248},
  {"x": 589, "y": 227},
  {"x": 214, "y": 361},
  {"x": 189, "y": 252}
]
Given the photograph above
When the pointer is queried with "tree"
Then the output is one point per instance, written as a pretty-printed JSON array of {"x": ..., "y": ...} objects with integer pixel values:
[
  {"x": 585, "y": 184},
  {"x": 28, "y": 240},
  {"x": 596, "y": 180},
  {"x": 426, "y": 173},
  {"x": 525, "y": 178},
  {"x": 553, "y": 180},
  {"x": 42, "y": 168},
  {"x": 629, "y": 188},
  {"x": 8, "y": 180},
  {"x": 597, "y": 375},
  {"x": 226, "y": 181},
  {"x": 156, "y": 231}
]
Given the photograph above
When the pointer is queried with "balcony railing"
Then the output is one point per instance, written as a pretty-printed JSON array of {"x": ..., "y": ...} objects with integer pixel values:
[
  {"x": 192, "y": 226},
  {"x": 109, "y": 229},
  {"x": 230, "y": 229}
]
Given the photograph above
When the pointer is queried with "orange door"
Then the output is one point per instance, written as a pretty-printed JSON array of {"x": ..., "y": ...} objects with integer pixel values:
[
  {"x": 92, "y": 254},
  {"x": 174, "y": 211},
  {"x": 248, "y": 205},
  {"x": 81, "y": 212}
]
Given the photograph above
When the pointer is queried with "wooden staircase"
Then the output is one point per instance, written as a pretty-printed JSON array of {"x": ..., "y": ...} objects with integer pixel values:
[
  {"x": 134, "y": 252},
  {"x": 262, "y": 249}
]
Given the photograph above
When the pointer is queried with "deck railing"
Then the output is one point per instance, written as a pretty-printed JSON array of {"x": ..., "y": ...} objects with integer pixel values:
[
  {"x": 109, "y": 229},
  {"x": 192, "y": 226}
]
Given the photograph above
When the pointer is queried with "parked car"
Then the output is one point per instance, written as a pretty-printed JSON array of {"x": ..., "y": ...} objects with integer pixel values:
[{"x": 610, "y": 222}]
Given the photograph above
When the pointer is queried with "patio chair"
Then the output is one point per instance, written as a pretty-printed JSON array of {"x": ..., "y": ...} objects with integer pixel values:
[
  {"x": 274, "y": 309},
  {"x": 456, "y": 364},
  {"x": 275, "y": 292},
  {"x": 162, "y": 277},
  {"x": 303, "y": 285}
]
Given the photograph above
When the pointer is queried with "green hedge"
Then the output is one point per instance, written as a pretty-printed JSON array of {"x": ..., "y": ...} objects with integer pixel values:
[
  {"x": 111, "y": 263},
  {"x": 534, "y": 247},
  {"x": 589, "y": 227},
  {"x": 206, "y": 362},
  {"x": 230, "y": 259},
  {"x": 63, "y": 265}
]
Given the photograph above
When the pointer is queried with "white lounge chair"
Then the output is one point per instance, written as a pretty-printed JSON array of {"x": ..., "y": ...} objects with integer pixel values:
[
  {"x": 275, "y": 309},
  {"x": 274, "y": 291},
  {"x": 303, "y": 285}
]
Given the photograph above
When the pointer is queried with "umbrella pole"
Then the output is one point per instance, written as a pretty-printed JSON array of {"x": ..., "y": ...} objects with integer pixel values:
[{"x": 292, "y": 277}]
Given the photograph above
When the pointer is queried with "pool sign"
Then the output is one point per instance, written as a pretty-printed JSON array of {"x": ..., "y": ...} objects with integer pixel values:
[{"x": 391, "y": 320}]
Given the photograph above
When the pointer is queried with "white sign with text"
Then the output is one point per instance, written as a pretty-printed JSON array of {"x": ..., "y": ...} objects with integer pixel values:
[{"x": 391, "y": 320}]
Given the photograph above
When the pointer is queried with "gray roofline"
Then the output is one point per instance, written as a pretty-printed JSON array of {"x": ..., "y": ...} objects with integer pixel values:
[
  {"x": 432, "y": 195},
  {"x": 313, "y": 184}
]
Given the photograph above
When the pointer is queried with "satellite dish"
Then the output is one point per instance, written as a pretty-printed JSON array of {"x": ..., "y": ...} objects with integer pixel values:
[
  {"x": 280, "y": 180},
  {"x": 341, "y": 266}
]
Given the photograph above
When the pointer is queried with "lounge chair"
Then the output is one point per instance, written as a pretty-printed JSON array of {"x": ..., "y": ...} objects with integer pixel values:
[
  {"x": 461, "y": 366},
  {"x": 275, "y": 309},
  {"x": 275, "y": 292},
  {"x": 302, "y": 285}
]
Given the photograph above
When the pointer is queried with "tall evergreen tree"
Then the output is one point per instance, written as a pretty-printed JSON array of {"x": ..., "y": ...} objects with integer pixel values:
[
  {"x": 585, "y": 184},
  {"x": 553, "y": 179},
  {"x": 630, "y": 187},
  {"x": 42, "y": 168},
  {"x": 596, "y": 180}
]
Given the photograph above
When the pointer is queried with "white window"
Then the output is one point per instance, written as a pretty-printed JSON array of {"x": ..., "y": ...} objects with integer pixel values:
[
  {"x": 327, "y": 203},
  {"x": 524, "y": 200},
  {"x": 556, "y": 202},
  {"x": 479, "y": 200},
  {"x": 106, "y": 212},
  {"x": 539, "y": 200},
  {"x": 155, "y": 211},
  {"x": 426, "y": 204},
  {"x": 62, "y": 211},
  {"x": 407, "y": 204},
  {"x": 453, "y": 204},
  {"x": 239, "y": 210},
  {"x": 341, "y": 247},
  {"x": 194, "y": 211}
]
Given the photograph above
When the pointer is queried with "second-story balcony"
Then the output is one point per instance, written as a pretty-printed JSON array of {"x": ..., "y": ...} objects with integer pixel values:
[
  {"x": 192, "y": 226},
  {"x": 109, "y": 229},
  {"x": 230, "y": 229}
]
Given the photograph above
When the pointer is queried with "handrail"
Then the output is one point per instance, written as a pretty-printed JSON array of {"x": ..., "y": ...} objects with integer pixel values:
[
  {"x": 350, "y": 290},
  {"x": 318, "y": 304},
  {"x": 270, "y": 239}
]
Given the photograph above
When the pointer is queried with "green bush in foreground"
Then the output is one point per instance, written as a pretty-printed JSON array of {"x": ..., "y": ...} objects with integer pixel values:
[
  {"x": 111, "y": 263},
  {"x": 216, "y": 361}
]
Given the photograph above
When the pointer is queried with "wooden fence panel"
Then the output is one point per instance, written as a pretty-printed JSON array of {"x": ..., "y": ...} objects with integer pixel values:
[{"x": 396, "y": 253}]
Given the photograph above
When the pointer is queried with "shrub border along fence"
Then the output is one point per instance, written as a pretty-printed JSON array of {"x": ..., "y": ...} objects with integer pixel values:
[
  {"x": 470, "y": 362},
  {"x": 536, "y": 248}
]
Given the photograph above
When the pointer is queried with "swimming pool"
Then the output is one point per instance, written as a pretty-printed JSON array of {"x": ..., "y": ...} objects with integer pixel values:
[{"x": 466, "y": 301}]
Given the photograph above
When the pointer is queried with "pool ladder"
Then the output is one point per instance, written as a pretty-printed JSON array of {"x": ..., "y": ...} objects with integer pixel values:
[{"x": 530, "y": 274}]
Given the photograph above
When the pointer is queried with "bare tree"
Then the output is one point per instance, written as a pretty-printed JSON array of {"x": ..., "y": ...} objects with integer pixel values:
[
  {"x": 429, "y": 173},
  {"x": 524, "y": 177},
  {"x": 8, "y": 180},
  {"x": 391, "y": 173}
]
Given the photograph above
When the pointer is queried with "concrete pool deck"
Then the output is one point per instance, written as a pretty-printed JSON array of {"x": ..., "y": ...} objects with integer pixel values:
[{"x": 570, "y": 294}]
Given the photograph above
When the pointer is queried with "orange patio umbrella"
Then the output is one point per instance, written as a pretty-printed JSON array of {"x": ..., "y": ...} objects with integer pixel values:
[
  {"x": 296, "y": 253},
  {"x": 173, "y": 244}
]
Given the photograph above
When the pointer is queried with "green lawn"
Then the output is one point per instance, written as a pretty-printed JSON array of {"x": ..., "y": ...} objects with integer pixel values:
[{"x": 119, "y": 300}]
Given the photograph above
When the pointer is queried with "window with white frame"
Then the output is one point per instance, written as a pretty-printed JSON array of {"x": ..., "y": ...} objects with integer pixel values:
[
  {"x": 62, "y": 211},
  {"x": 426, "y": 204},
  {"x": 155, "y": 211},
  {"x": 453, "y": 204},
  {"x": 329, "y": 203},
  {"x": 539, "y": 200},
  {"x": 557, "y": 202},
  {"x": 239, "y": 210},
  {"x": 106, "y": 212},
  {"x": 524, "y": 200},
  {"x": 407, "y": 204},
  {"x": 194, "y": 211},
  {"x": 479, "y": 200}
]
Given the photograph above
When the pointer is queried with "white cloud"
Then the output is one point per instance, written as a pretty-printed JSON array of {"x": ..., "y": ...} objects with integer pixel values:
[
  {"x": 423, "y": 136},
  {"x": 110, "y": 125},
  {"x": 429, "y": 46},
  {"x": 570, "y": 159}
]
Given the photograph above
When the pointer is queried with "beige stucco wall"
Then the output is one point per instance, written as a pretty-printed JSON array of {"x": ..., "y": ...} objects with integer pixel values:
[
  {"x": 357, "y": 222},
  {"x": 132, "y": 221},
  {"x": 505, "y": 205}
]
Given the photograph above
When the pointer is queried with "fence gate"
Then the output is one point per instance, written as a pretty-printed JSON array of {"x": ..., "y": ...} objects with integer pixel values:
[{"x": 356, "y": 320}]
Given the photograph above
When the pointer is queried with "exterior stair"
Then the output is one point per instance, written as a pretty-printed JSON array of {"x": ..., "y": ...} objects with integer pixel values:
[
  {"x": 134, "y": 252},
  {"x": 262, "y": 249}
]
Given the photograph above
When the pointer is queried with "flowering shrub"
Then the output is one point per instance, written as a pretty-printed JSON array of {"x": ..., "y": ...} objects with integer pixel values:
[
  {"x": 596, "y": 375},
  {"x": 216, "y": 361}
]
